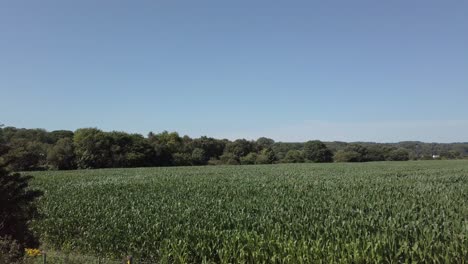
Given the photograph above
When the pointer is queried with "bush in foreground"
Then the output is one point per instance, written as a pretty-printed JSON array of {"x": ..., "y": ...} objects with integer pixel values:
[{"x": 17, "y": 209}]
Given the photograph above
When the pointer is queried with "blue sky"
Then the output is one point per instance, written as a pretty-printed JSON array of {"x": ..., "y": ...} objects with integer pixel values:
[{"x": 290, "y": 70}]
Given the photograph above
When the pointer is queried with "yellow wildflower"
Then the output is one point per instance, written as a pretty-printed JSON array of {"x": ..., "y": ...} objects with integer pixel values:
[{"x": 33, "y": 252}]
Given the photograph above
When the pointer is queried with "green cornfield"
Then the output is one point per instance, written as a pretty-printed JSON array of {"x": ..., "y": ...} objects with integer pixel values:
[{"x": 381, "y": 212}]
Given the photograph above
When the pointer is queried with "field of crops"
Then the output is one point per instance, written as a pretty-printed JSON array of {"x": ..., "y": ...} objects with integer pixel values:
[{"x": 385, "y": 212}]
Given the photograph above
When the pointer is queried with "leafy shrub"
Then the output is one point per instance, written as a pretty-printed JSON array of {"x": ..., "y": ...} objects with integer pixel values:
[{"x": 17, "y": 209}]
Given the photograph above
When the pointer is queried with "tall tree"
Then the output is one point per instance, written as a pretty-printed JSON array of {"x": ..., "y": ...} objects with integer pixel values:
[
  {"x": 62, "y": 155},
  {"x": 25, "y": 155},
  {"x": 199, "y": 157},
  {"x": 357, "y": 153},
  {"x": 240, "y": 148},
  {"x": 93, "y": 148},
  {"x": 317, "y": 151},
  {"x": 266, "y": 156},
  {"x": 263, "y": 143}
]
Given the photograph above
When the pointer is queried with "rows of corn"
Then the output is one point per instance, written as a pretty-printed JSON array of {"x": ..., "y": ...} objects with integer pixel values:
[{"x": 389, "y": 212}]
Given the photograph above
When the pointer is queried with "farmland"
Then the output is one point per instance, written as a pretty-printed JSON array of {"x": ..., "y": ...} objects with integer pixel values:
[{"x": 288, "y": 213}]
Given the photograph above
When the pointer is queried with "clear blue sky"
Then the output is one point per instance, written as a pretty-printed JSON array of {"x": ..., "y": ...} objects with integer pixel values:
[{"x": 290, "y": 70}]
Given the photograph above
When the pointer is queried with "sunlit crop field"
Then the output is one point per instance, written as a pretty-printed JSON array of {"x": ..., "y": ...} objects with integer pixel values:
[{"x": 384, "y": 212}]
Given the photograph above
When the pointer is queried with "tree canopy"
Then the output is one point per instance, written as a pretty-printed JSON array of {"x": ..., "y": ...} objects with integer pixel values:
[{"x": 86, "y": 148}]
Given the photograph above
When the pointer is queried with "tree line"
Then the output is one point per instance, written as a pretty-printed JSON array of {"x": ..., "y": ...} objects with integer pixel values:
[{"x": 87, "y": 148}]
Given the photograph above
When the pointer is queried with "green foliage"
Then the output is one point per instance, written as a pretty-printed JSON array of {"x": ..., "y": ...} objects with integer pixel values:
[
  {"x": 376, "y": 153},
  {"x": 249, "y": 159},
  {"x": 282, "y": 148},
  {"x": 263, "y": 143},
  {"x": 37, "y": 149},
  {"x": 352, "y": 153},
  {"x": 213, "y": 148},
  {"x": 24, "y": 155},
  {"x": 347, "y": 156},
  {"x": 181, "y": 159},
  {"x": 129, "y": 150},
  {"x": 92, "y": 147},
  {"x": 199, "y": 157},
  {"x": 451, "y": 154},
  {"x": 56, "y": 135},
  {"x": 386, "y": 212},
  {"x": 400, "y": 154},
  {"x": 266, "y": 156},
  {"x": 62, "y": 155},
  {"x": 229, "y": 159},
  {"x": 17, "y": 209},
  {"x": 171, "y": 140},
  {"x": 139, "y": 153},
  {"x": 363, "y": 151},
  {"x": 39, "y": 135},
  {"x": 240, "y": 148},
  {"x": 163, "y": 156},
  {"x": 293, "y": 156},
  {"x": 214, "y": 161},
  {"x": 316, "y": 151}
]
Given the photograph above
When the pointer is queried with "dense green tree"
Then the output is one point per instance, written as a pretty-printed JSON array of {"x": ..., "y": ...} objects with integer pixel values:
[
  {"x": 38, "y": 135},
  {"x": 266, "y": 156},
  {"x": 375, "y": 153},
  {"x": 17, "y": 209},
  {"x": 181, "y": 159},
  {"x": 249, "y": 159},
  {"x": 170, "y": 140},
  {"x": 62, "y": 155},
  {"x": 347, "y": 156},
  {"x": 34, "y": 149},
  {"x": 92, "y": 148},
  {"x": 336, "y": 145},
  {"x": 198, "y": 157},
  {"x": 263, "y": 143},
  {"x": 162, "y": 155},
  {"x": 24, "y": 155},
  {"x": 362, "y": 153},
  {"x": 140, "y": 153},
  {"x": 121, "y": 145},
  {"x": 293, "y": 156},
  {"x": 282, "y": 148},
  {"x": 187, "y": 145},
  {"x": 316, "y": 151},
  {"x": 213, "y": 147},
  {"x": 229, "y": 159},
  {"x": 166, "y": 145},
  {"x": 399, "y": 154},
  {"x": 240, "y": 148},
  {"x": 59, "y": 134},
  {"x": 450, "y": 154}
]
